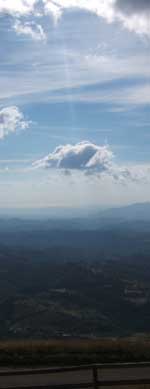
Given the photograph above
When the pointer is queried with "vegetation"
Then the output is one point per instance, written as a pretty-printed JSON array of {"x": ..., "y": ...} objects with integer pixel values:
[
  {"x": 63, "y": 298},
  {"x": 74, "y": 351}
]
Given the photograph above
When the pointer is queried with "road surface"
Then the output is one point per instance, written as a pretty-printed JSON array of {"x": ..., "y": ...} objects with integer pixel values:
[{"x": 82, "y": 376}]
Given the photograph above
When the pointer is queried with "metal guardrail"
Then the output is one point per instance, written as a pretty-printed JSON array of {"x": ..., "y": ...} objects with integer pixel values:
[{"x": 95, "y": 383}]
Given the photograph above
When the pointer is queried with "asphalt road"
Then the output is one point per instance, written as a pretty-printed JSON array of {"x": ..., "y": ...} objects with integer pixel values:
[{"x": 73, "y": 377}]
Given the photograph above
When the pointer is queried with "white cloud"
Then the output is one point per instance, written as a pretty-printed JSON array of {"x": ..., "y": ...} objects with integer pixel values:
[
  {"x": 31, "y": 29},
  {"x": 52, "y": 67},
  {"x": 11, "y": 119},
  {"x": 131, "y": 173},
  {"x": 133, "y": 14},
  {"x": 53, "y": 9},
  {"x": 91, "y": 159},
  {"x": 102, "y": 8},
  {"x": 21, "y": 8},
  {"x": 83, "y": 156},
  {"x": 17, "y": 7}
]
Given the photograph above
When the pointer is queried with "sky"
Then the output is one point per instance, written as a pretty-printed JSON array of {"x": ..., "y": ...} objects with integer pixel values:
[{"x": 74, "y": 103}]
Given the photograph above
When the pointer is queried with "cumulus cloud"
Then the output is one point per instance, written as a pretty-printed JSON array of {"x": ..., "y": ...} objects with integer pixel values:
[
  {"x": 92, "y": 160},
  {"x": 83, "y": 156},
  {"x": 133, "y": 14},
  {"x": 53, "y": 8},
  {"x": 11, "y": 119},
  {"x": 17, "y": 7},
  {"x": 102, "y": 8},
  {"x": 31, "y": 29},
  {"x": 133, "y": 6}
]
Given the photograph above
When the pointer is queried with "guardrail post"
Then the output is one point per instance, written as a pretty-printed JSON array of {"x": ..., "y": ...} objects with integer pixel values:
[{"x": 95, "y": 378}]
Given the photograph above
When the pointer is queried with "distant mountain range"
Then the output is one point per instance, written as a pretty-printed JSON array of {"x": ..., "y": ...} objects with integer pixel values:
[
  {"x": 139, "y": 211},
  {"x": 116, "y": 231}
]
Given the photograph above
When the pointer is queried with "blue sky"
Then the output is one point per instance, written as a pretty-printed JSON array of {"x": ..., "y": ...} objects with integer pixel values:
[{"x": 74, "y": 102}]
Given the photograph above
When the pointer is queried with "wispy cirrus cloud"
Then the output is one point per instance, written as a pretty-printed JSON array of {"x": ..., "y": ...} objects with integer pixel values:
[
  {"x": 11, "y": 119},
  {"x": 61, "y": 66},
  {"x": 92, "y": 78}
]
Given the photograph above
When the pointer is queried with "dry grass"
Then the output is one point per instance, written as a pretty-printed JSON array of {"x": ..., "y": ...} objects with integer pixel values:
[{"x": 61, "y": 352}]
